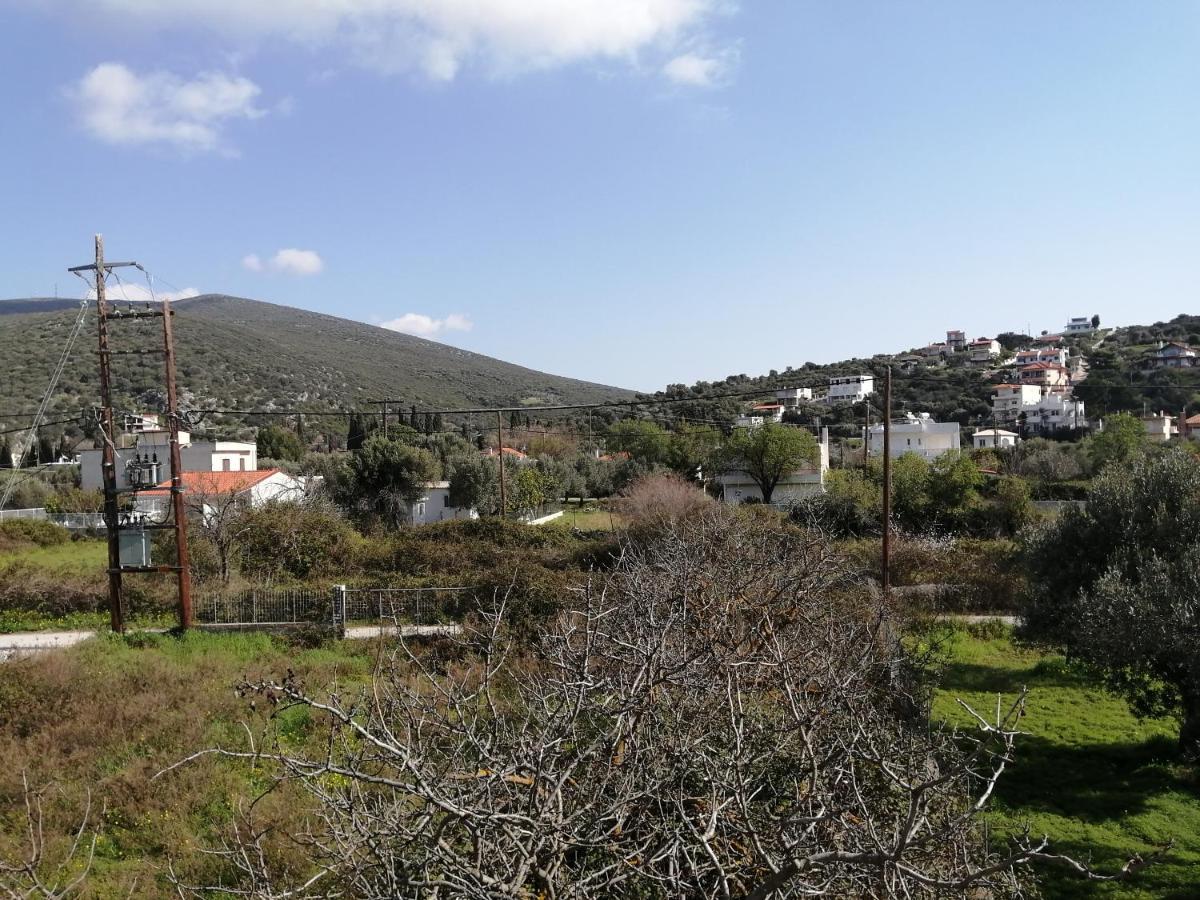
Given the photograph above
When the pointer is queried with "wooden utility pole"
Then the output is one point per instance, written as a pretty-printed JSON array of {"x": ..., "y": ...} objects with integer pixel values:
[
  {"x": 108, "y": 454},
  {"x": 500, "y": 462},
  {"x": 178, "y": 513},
  {"x": 887, "y": 483},
  {"x": 112, "y": 521}
]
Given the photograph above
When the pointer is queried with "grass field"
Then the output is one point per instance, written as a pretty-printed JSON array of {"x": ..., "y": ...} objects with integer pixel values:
[
  {"x": 104, "y": 717},
  {"x": 590, "y": 518},
  {"x": 1096, "y": 779},
  {"x": 72, "y": 558}
]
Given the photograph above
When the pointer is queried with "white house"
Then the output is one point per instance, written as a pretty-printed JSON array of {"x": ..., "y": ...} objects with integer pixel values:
[
  {"x": 1158, "y": 428},
  {"x": 1079, "y": 325},
  {"x": 1055, "y": 410},
  {"x": 994, "y": 437},
  {"x": 434, "y": 506},
  {"x": 748, "y": 421},
  {"x": 984, "y": 350},
  {"x": 799, "y": 484},
  {"x": 146, "y": 462},
  {"x": 1057, "y": 355},
  {"x": 1010, "y": 399},
  {"x": 768, "y": 412},
  {"x": 917, "y": 434},
  {"x": 209, "y": 492},
  {"x": 850, "y": 389},
  {"x": 790, "y": 398},
  {"x": 1172, "y": 355}
]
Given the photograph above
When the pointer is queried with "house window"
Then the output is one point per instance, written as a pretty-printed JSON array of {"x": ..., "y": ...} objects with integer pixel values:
[
  {"x": 224, "y": 465},
  {"x": 445, "y": 501},
  {"x": 242, "y": 463}
]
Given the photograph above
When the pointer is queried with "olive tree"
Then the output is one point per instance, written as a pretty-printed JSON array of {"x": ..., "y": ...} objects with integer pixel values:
[
  {"x": 768, "y": 452},
  {"x": 1117, "y": 584},
  {"x": 388, "y": 476},
  {"x": 725, "y": 714}
]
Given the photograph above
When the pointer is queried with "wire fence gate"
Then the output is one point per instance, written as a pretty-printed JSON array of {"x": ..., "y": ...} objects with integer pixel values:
[{"x": 335, "y": 608}]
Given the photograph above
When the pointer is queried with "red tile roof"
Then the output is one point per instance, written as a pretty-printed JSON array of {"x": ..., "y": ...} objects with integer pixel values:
[
  {"x": 510, "y": 451},
  {"x": 1039, "y": 366},
  {"x": 216, "y": 482}
]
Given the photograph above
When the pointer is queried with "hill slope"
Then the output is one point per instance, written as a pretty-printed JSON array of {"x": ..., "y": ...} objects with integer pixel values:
[{"x": 250, "y": 354}]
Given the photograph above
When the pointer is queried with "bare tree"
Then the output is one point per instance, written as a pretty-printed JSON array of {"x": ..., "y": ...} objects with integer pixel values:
[
  {"x": 725, "y": 715},
  {"x": 40, "y": 872}
]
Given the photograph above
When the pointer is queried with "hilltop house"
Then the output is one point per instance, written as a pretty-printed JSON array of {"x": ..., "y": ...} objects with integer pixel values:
[
  {"x": 1046, "y": 375},
  {"x": 850, "y": 389},
  {"x": 208, "y": 493},
  {"x": 806, "y": 481},
  {"x": 994, "y": 437},
  {"x": 1057, "y": 355},
  {"x": 956, "y": 341},
  {"x": 790, "y": 398},
  {"x": 144, "y": 462},
  {"x": 916, "y": 434},
  {"x": 1079, "y": 325},
  {"x": 1044, "y": 409},
  {"x": 1172, "y": 355},
  {"x": 984, "y": 350}
]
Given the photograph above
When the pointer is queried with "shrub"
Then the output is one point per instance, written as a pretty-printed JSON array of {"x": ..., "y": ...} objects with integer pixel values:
[{"x": 656, "y": 501}]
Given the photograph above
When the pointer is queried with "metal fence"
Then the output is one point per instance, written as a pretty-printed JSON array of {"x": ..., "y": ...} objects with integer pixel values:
[
  {"x": 335, "y": 608},
  {"x": 407, "y": 606},
  {"x": 266, "y": 606},
  {"x": 73, "y": 521}
]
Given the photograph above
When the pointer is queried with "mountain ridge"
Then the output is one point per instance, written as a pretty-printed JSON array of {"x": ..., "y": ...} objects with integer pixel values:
[{"x": 245, "y": 353}]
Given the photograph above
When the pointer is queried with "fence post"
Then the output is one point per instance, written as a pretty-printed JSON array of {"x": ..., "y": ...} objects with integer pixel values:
[{"x": 339, "y": 610}]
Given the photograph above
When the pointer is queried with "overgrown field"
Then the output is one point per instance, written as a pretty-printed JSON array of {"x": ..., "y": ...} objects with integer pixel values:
[
  {"x": 1093, "y": 777},
  {"x": 104, "y": 717}
]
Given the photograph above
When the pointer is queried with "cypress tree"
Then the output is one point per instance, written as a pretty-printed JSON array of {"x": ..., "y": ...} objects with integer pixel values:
[{"x": 6, "y": 461}]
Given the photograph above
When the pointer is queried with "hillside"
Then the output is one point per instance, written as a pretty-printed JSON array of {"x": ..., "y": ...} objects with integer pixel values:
[{"x": 250, "y": 354}]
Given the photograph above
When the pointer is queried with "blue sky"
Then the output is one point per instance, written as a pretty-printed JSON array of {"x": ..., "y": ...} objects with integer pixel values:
[{"x": 636, "y": 192}]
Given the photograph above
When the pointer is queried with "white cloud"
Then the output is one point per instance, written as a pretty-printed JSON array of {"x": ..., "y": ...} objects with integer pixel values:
[
  {"x": 425, "y": 326},
  {"x": 699, "y": 70},
  {"x": 122, "y": 291},
  {"x": 438, "y": 37},
  {"x": 118, "y": 106},
  {"x": 296, "y": 262},
  {"x": 251, "y": 262}
]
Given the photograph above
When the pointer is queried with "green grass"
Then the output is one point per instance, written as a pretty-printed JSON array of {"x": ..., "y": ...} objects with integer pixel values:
[
  {"x": 72, "y": 558},
  {"x": 1097, "y": 780},
  {"x": 590, "y": 518}
]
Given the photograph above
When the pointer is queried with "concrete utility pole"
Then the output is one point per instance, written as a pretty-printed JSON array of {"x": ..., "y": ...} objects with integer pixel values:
[
  {"x": 887, "y": 483},
  {"x": 101, "y": 269}
]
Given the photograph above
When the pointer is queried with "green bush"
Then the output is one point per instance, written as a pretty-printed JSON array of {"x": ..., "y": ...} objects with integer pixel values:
[{"x": 32, "y": 531}]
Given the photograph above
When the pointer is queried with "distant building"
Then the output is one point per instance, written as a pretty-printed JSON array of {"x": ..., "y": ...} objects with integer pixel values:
[
  {"x": 935, "y": 350},
  {"x": 1159, "y": 428},
  {"x": 146, "y": 462},
  {"x": 790, "y": 398},
  {"x": 1041, "y": 409},
  {"x": 1054, "y": 411},
  {"x": 850, "y": 389},
  {"x": 1079, "y": 325},
  {"x": 748, "y": 421},
  {"x": 1046, "y": 374},
  {"x": 1171, "y": 355},
  {"x": 208, "y": 492},
  {"x": 1057, "y": 355},
  {"x": 807, "y": 481},
  {"x": 434, "y": 506},
  {"x": 916, "y": 434},
  {"x": 994, "y": 437},
  {"x": 983, "y": 350},
  {"x": 768, "y": 412},
  {"x": 1009, "y": 399},
  {"x": 956, "y": 341}
]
